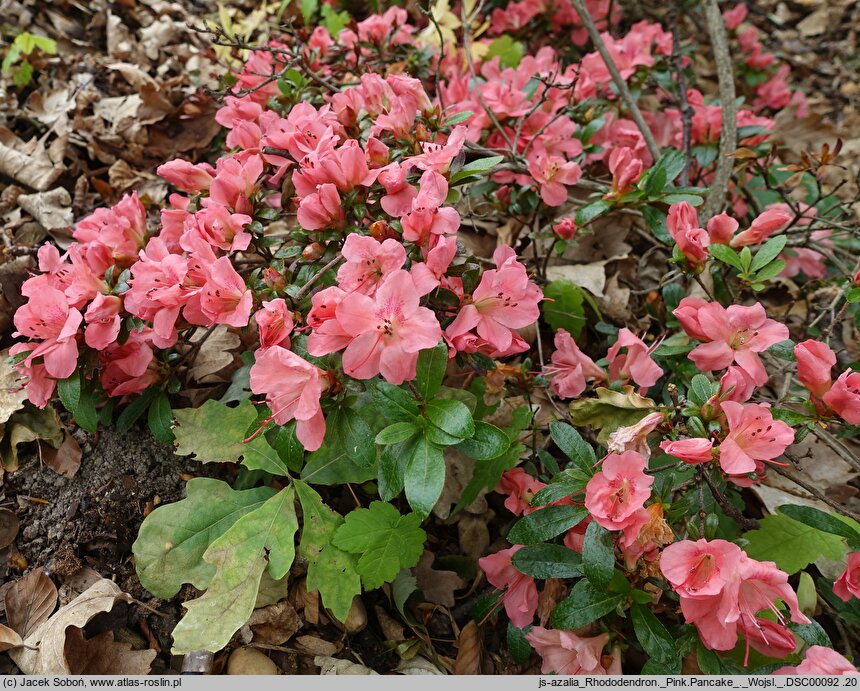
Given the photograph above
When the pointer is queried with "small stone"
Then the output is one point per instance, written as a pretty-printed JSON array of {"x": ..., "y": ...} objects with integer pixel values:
[{"x": 250, "y": 661}]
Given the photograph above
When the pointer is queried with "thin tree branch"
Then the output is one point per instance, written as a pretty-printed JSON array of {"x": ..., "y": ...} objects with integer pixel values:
[
  {"x": 623, "y": 89},
  {"x": 814, "y": 492},
  {"x": 729, "y": 128}
]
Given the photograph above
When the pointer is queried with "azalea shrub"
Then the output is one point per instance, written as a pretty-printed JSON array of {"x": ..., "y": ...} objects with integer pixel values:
[{"x": 379, "y": 345}]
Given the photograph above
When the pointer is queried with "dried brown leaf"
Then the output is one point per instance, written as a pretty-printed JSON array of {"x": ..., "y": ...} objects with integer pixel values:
[
  {"x": 469, "y": 650},
  {"x": 45, "y": 651},
  {"x": 215, "y": 353},
  {"x": 9, "y": 638},
  {"x": 8, "y": 527},
  {"x": 12, "y": 394},
  {"x": 30, "y": 602},
  {"x": 273, "y": 625},
  {"x": 64, "y": 461},
  {"x": 103, "y": 655},
  {"x": 37, "y": 168},
  {"x": 52, "y": 209},
  {"x": 438, "y": 586}
]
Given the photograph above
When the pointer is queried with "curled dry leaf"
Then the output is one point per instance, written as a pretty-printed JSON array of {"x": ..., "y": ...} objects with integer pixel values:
[
  {"x": 33, "y": 164},
  {"x": 468, "y": 650},
  {"x": 8, "y": 527},
  {"x": 103, "y": 655},
  {"x": 330, "y": 666},
  {"x": 64, "y": 461},
  {"x": 273, "y": 625},
  {"x": 52, "y": 209},
  {"x": 30, "y": 601},
  {"x": 9, "y": 639},
  {"x": 12, "y": 394},
  {"x": 438, "y": 586},
  {"x": 45, "y": 651},
  {"x": 215, "y": 353}
]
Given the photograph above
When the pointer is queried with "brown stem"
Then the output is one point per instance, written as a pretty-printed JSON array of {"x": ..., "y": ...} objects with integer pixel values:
[
  {"x": 310, "y": 284},
  {"x": 814, "y": 492},
  {"x": 617, "y": 79},
  {"x": 729, "y": 128},
  {"x": 728, "y": 508}
]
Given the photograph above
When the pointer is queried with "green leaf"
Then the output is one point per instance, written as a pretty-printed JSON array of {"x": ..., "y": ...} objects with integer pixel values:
[
  {"x": 353, "y": 435},
  {"x": 656, "y": 221},
  {"x": 386, "y": 541},
  {"x": 308, "y": 9},
  {"x": 589, "y": 212},
  {"x": 23, "y": 74},
  {"x": 161, "y": 419},
  {"x": 726, "y": 255},
  {"x": 239, "y": 557},
  {"x": 69, "y": 391},
  {"x": 571, "y": 481},
  {"x": 812, "y": 633},
  {"x": 424, "y": 476},
  {"x": 768, "y": 252},
  {"x": 288, "y": 446},
  {"x": 392, "y": 468},
  {"x": 510, "y": 52},
  {"x": 583, "y": 606},
  {"x": 701, "y": 389},
  {"x": 259, "y": 455},
  {"x": 574, "y": 446},
  {"x": 821, "y": 520},
  {"x": 457, "y": 118},
  {"x": 709, "y": 662},
  {"x": 544, "y": 524},
  {"x": 476, "y": 168},
  {"x": 565, "y": 307},
  {"x": 330, "y": 570},
  {"x": 397, "y": 433},
  {"x": 393, "y": 403},
  {"x": 770, "y": 271},
  {"x": 653, "y": 636},
  {"x": 171, "y": 542},
  {"x": 332, "y": 464},
  {"x": 548, "y": 561},
  {"x": 214, "y": 433},
  {"x": 431, "y": 370},
  {"x": 672, "y": 163},
  {"x": 518, "y": 645},
  {"x": 792, "y": 545},
  {"x": 598, "y": 555},
  {"x": 452, "y": 417},
  {"x": 610, "y": 410},
  {"x": 486, "y": 443}
]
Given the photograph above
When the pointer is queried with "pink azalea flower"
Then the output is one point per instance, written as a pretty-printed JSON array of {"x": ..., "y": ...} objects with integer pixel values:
[
  {"x": 848, "y": 584},
  {"x": 292, "y": 387},
  {"x": 399, "y": 195},
  {"x": 504, "y": 300},
  {"x": 636, "y": 363},
  {"x": 821, "y": 660},
  {"x": 103, "y": 321},
  {"x": 844, "y": 397},
  {"x": 565, "y": 228},
  {"x": 702, "y": 568},
  {"x": 386, "y": 331},
  {"x": 721, "y": 229},
  {"x": 552, "y": 173},
  {"x": 220, "y": 228},
  {"x": 437, "y": 156},
  {"x": 235, "y": 182},
  {"x": 48, "y": 318},
  {"x": 187, "y": 176},
  {"x": 368, "y": 262},
  {"x": 225, "y": 299},
  {"x": 682, "y": 224},
  {"x": 39, "y": 384},
  {"x": 321, "y": 210},
  {"x": 345, "y": 167},
  {"x": 131, "y": 367},
  {"x": 570, "y": 367},
  {"x": 635, "y": 437},
  {"x": 626, "y": 168},
  {"x": 736, "y": 334},
  {"x": 691, "y": 451},
  {"x": 814, "y": 362},
  {"x": 753, "y": 436},
  {"x": 521, "y": 596},
  {"x": 426, "y": 218},
  {"x": 735, "y": 16},
  {"x": 615, "y": 497},
  {"x": 563, "y": 652},
  {"x": 521, "y": 489},
  {"x": 120, "y": 230},
  {"x": 736, "y": 385},
  {"x": 765, "y": 225},
  {"x": 274, "y": 322},
  {"x": 429, "y": 274}
]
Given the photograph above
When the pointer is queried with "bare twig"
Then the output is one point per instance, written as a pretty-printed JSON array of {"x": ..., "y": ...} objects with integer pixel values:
[
  {"x": 313, "y": 279},
  {"x": 623, "y": 89},
  {"x": 729, "y": 128},
  {"x": 728, "y": 508},
  {"x": 814, "y": 492}
]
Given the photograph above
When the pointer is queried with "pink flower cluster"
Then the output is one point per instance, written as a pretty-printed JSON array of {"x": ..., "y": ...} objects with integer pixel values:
[{"x": 723, "y": 592}]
